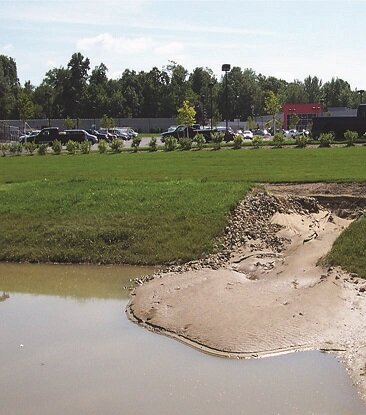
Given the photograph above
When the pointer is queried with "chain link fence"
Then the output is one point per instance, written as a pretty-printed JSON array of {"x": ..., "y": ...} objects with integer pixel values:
[{"x": 8, "y": 133}]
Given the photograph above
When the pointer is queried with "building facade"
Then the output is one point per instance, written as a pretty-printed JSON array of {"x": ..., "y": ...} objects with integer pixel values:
[{"x": 303, "y": 113}]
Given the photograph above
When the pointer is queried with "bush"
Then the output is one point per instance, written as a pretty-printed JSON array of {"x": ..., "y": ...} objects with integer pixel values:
[
  {"x": 56, "y": 146},
  {"x": 217, "y": 139},
  {"x": 15, "y": 148},
  {"x": 153, "y": 146},
  {"x": 200, "y": 140},
  {"x": 85, "y": 147},
  {"x": 102, "y": 146},
  {"x": 117, "y": 145},
  {"x": 257, "y": 141},
  {"x": 30, "y": 147},
  {"x": 72, "y": 147},
  {"x": 350, "y": 137},
  {"x": 185, "y": 143},
  {"x": 42, "y": 149},
  {"x": 238, "y": 141},
  {"x": 301, "y": 140},
  {"x": 170, "y": 143},
  {"x": 325, "y": 139},
  {"x": 135, "y": 143},
  {"x": 278, "y": 140},
  {"x": 4, "y": 147}
]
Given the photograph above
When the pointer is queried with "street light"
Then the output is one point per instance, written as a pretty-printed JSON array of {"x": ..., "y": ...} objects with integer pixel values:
[
  {"x": 361, "y": 91},
  {"x": 210, "y": 86},
  {"x": 203, "y": 110},
  {"x": 48, "y": 96},
  {"x": 322, "y": 100},
  {"x": 226, "y": 68},
  {"x": 94, "y": 113}
]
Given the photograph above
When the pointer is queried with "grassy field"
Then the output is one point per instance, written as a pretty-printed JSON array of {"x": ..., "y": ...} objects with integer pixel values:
[{"x": 144, "y": 208}]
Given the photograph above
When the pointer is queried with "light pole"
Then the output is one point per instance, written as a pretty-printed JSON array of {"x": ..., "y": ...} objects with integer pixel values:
[
  {"x": 94, "y": 113},
  {"x": 203, "y": 110},
  {"x": 210, "y": 85},
  {"x": 48, "y": 96},
  {"x": 226, "y": 68},
  {"x": 361, "y": 91},
  {"x": 77, "y": 113},
  {"x": 321, "y": 106}
]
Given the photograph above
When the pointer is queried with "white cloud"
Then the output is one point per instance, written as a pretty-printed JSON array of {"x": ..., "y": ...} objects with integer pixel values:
[
  {"x": 107, "y": 42},
  {"x": 6, "y": 48}
]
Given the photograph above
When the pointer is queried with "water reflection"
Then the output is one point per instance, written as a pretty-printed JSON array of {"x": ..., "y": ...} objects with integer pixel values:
[
  {"x": 60, "y": 355},
  {"x": 81, "y": 281}
]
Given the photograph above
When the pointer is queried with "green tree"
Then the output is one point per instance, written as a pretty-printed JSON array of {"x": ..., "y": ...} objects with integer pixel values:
[
  {"x": 294, "y": 120},
  {"x": 272, "y": 105},
  {"x": 312, "y": 87},
  {"x": 107, "y": 122},
  {"x": 9, "y": 85},
  {"x": 186, "y": 114},
  {"x": 25, "y": 106}
]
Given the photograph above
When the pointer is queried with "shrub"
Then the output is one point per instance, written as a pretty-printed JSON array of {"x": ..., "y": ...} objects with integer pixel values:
[
  {"x": 200, "y": 140},
  {"x": 170, "y": 143},
  {"x": 238, "y": 141},
  {"x": 135, "y": 143},
  {"x": 117, "y": 145},
  {"x": 278, "y": 140},
  {"x": 102, "y": 146},
  {"x": 153, "y": 146},
  {"x": 185, "y": 143},
  {"x": 56, "y": 146},
  {"x": 4, "y": 147},
  {"x": 350, "y": 137},
  {"x": 30, "y": 147},
  {"x": 72, "y": 147},
  {"x": 42, "y": 149},
  {"x": 325, "y": 139},
  {"x": 257, "y": 141},
  {"x": 85, "y": 147},
  {"x": 301, "y": 140},
  {"x": 217, "y": 139},
  {"x": 15, "y": 148}
]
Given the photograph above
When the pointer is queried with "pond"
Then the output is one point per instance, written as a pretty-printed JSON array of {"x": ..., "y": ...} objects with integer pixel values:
[{"x": 66, "y": 347}]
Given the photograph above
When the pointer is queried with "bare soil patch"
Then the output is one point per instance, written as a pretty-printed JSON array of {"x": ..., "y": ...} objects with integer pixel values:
[{"x": 265, "y": 292}]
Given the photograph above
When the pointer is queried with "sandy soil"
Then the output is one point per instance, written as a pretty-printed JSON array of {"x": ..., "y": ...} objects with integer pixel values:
[{"x": 265, "y": 300}]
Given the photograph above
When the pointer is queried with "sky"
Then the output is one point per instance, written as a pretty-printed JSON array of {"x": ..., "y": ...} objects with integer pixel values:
[{"x": 289, "y": 39}]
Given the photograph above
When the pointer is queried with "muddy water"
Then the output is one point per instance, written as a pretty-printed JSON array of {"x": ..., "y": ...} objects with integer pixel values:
[{"x": 66, "y": 347}]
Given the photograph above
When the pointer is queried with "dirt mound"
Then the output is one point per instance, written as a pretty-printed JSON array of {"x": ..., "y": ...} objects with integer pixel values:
[{"x": 263, "y": 292}]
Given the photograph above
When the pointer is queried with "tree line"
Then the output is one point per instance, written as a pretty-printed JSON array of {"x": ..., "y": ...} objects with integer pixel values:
[{"x": 77, "y": 91}]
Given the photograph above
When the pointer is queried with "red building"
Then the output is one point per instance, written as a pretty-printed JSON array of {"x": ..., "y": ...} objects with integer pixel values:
[{"x": 305, "y": 112}]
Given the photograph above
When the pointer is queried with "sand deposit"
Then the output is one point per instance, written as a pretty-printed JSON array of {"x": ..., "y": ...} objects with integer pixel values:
[{"x": 265, "y": 292}]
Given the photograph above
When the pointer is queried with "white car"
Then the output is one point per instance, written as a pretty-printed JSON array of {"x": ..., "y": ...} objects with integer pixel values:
[{"x": 247, "y": 134}]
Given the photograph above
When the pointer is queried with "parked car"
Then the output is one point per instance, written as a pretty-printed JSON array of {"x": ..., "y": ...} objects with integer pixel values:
[
  {"x": 80, "y": 135},
  {"x": 130, "y": 132},
  {"x": 28, "y": 137},
  {"x": 109, "y": 135},
  {"x": 122, "y": 132},
  {"x": 247, "y": 134},
  {"x": 100, "y": 136},
  {"x": 179, "y": 131}
]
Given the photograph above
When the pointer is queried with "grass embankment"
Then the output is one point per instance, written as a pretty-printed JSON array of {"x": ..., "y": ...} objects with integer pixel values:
[
  {"x": 145, "y": 207},
  {"x": 349, "y": 250}
]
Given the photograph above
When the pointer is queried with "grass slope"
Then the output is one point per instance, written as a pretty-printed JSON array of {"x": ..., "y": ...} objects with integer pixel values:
[{"x": 144, "y": 208}]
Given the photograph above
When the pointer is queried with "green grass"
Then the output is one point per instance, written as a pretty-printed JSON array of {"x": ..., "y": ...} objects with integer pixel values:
[
  {"x": 143, "y": 208},
  {"x": 246, "y": 165},
  {"x": 349, "y": 250}
]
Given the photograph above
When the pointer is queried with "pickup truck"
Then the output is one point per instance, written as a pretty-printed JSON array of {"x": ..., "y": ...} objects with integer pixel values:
[
  {"x": 50, "y": 134},
  {"x": 337, "y": 126}
]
